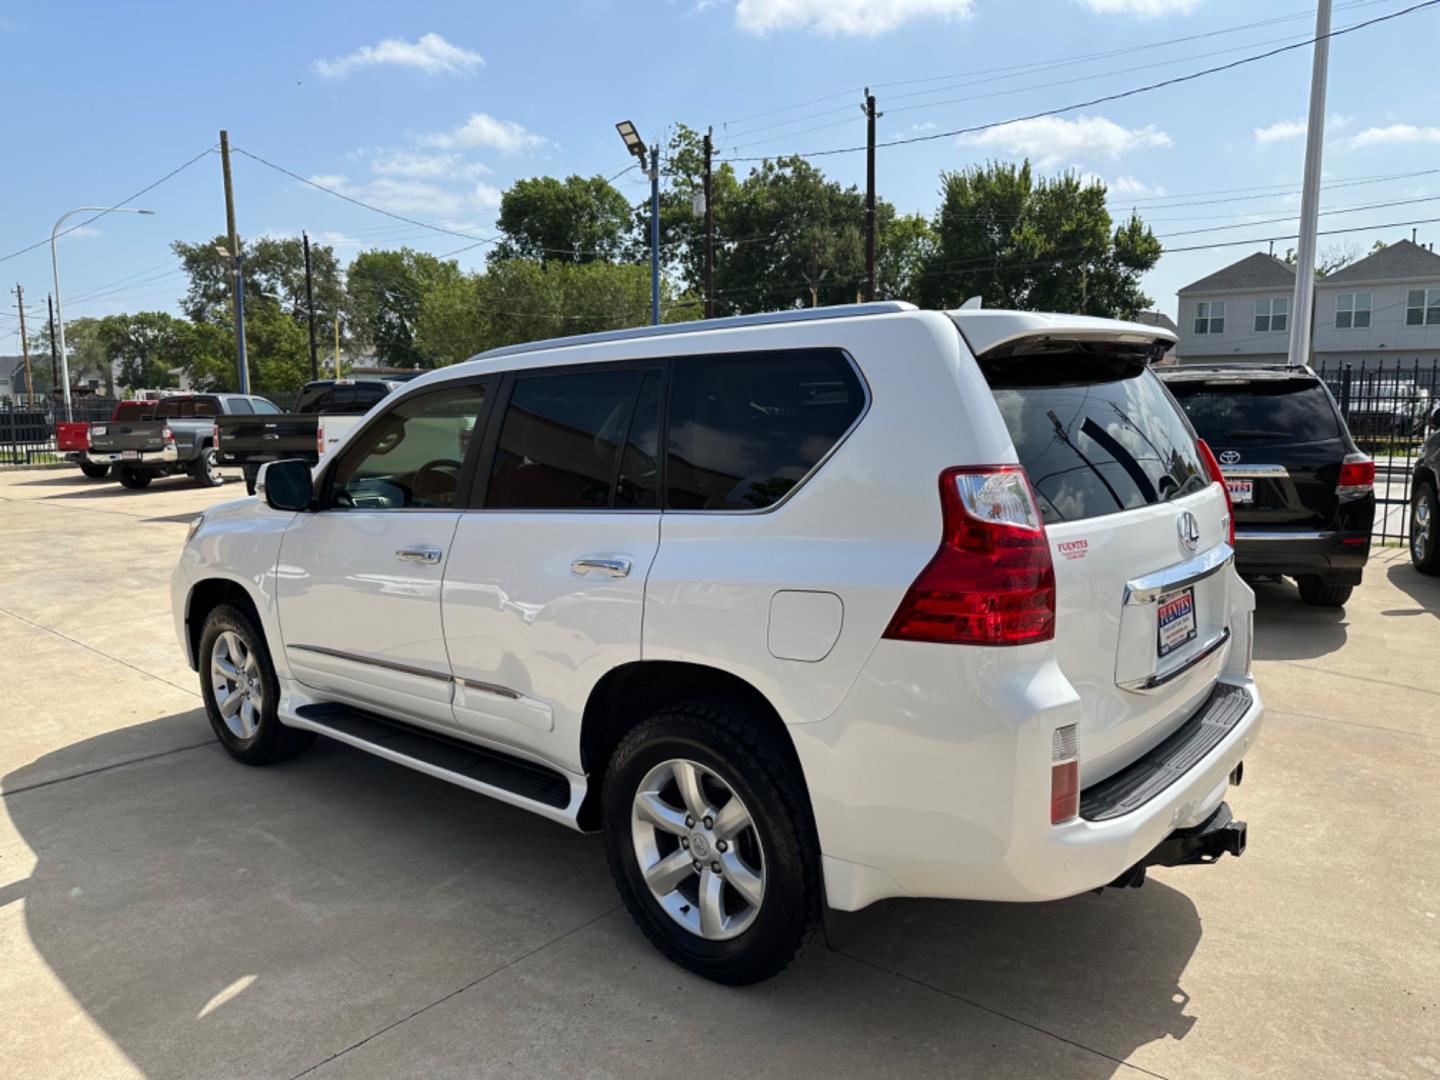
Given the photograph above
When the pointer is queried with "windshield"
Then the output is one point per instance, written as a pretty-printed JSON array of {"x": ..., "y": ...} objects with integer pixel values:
[{"x": 1229, "y": 412}]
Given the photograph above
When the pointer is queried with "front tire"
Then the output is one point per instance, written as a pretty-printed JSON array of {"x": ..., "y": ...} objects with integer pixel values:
[
  {"x": 711, "y": 842},
  {"x": 1424, "y": 542},
  {"x": 206, "y": 470},
  {"x": 135, "y": 479},
  {"x": 93, "y": 471},
  {"x": 241, "y": 691},
  {"x": 1317, "y": 593}
]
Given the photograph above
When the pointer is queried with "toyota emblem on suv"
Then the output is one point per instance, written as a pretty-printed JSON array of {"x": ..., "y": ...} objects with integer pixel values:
[
  {"x": 1229, "y": 457},
  {"x": 1189, "y": 530}
]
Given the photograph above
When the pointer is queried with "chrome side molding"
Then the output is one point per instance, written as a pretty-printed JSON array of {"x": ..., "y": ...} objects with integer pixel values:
[{"x": 407, "y": 669}]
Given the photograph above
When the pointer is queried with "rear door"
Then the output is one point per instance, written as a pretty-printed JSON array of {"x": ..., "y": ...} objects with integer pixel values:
[{"x": 1138, "y": 535}]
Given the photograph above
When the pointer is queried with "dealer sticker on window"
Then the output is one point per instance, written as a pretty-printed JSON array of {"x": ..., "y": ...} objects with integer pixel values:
[{"x": 1176, "y": 619}]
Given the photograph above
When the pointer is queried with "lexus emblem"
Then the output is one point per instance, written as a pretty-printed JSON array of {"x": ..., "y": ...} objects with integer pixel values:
[
  {"x": 1189, "y": 530},
  {"x": 1229, "y": 457}
]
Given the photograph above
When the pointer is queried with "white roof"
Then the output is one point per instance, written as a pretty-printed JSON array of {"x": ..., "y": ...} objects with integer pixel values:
[{"x": 986, "y": 330}]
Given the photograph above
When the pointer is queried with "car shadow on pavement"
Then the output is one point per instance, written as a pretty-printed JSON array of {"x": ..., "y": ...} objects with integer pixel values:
[
  {"x": 1423, "y": 589},
  {"x": 115, "y": 490},
  {"x": 1287, "y": 628},
  {"x": 214, "y": 919}
]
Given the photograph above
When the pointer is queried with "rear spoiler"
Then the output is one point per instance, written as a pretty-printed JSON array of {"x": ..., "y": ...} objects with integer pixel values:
[{"x": 991, "y": 333}]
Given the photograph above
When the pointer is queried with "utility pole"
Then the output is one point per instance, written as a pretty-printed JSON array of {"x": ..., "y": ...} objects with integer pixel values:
[
  {"x": 237, "y": 276},
  {"x": 310, "y": 309},
  {"x": 1303, "y": 307},
  {"x": 54, "y": 355},
  {"x": 337, "y": 345},
  {"x": 869, "y": 195},
  {"x": 25, "y": 347},
  {"x": 709, "y": 232},
  {"x": 655, "y": 236}
]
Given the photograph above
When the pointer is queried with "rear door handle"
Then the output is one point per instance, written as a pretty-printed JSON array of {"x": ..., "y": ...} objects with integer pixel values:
[
  {"x": 616, "y": 568},
  {"x": 422, "y": 553}
]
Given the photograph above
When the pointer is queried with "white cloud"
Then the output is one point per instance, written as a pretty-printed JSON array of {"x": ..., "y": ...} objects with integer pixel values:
[
  {"x": 83, "y": 232},
  {"x": 1340, "y": 121},
  {"x": 431, "y": 54},
  {"x": 1135, "y": 189},
  {"x": 1393, "y": 135},
  {"x": 848, "y": 17},
  {"x": 1051, "y": 139},
  {"x": 484, "y": 131},
  {"x": 407, "y": 196},
  {"x": 1280, "y": 130},
  {"x": 1143, "y": 9},
  {"x": 444, "y": 165}
]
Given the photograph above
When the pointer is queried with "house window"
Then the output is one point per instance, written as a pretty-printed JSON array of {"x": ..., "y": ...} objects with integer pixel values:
[
  {"x": 1422, "y": 307},
  {"x": 1352, "y": 311},
  {"x": 1271, "y": 314},
  {"x": 1210, "y": 317}
]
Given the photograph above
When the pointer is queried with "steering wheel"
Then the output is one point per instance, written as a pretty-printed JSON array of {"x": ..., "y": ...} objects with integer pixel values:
[{"x": 436, "y": 480}]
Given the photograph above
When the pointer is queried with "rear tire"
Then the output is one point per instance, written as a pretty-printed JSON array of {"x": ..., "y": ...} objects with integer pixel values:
[
  {"x": 1424, "y": 541},
  {"x": 134, "y": 479},
  {"x": 241, "y": 691},
  {"x": 1317, "y": 593},
  {"x": 93, "y": 471},
  {"x": 206, "y": 470},
  {"x": 766, "y": 900}
]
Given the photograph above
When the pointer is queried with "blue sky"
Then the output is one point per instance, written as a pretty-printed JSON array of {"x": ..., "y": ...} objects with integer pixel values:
[{"x": 431, "y": 110}]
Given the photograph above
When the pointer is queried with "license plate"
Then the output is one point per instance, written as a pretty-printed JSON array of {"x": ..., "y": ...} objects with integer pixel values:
[
  {"x": 98, "y": 429},
  {"x": 1177, "y": 620},
  {"x": 1241, "y": 491},
  {"x": 129, "y": 455}
]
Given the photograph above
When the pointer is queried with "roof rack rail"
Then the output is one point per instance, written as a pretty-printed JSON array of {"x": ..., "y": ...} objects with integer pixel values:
[{"x": 839, "y": 311}]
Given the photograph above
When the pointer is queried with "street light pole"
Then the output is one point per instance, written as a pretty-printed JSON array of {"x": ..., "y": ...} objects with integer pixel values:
[
  {"x": 655, "y": 236},
  {"x": 238, "y": 266},
  {"x": 55, "y": 272},
  {"x": 1303, "y": 307}
]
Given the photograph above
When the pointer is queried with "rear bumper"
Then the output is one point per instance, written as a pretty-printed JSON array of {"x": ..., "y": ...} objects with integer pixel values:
[
  {"x": 1337, "y": 556},
  {"x": 148, "y": 459}
]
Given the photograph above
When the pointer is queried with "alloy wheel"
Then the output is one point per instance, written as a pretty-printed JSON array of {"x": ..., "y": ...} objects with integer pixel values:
[
  {"x": 1420, "y": 524},
  {"x": 239, "y": 689}
]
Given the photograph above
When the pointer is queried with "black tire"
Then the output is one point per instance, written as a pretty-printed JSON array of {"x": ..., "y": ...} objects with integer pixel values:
[
  {"x": 1424, "y": 537},
  {"x": 271, "y": 740},
  {"x": 93, "y": 471},
  {"x": 206, "y": 469},
  {"x": 134, "y": 479},
  {"x": 1317, "y": 593},
  {"x": 728, "y": 740}
]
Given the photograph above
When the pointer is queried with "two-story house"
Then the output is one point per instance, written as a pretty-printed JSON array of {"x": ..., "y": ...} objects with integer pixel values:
[{"x": 1384, "y": 305}]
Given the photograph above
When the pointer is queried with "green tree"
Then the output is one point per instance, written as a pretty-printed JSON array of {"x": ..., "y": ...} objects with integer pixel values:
[
  {"x": 903, "y": 246},
  {"x": 1034, "y": 244},
  {"x": 274, "y": 269},
  {"x": 384, "y": 292},
  {"x": 146, "y": 348},
  {"x": 87, "y": 359},
  {"x": 278, "y": 351},
  {"x": 576, "y": 220}
]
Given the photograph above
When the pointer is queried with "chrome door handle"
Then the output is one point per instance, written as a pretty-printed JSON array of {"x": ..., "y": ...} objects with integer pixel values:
[
  {"x": 420, "y": 553},
  {"x": 616, "y": 568}
]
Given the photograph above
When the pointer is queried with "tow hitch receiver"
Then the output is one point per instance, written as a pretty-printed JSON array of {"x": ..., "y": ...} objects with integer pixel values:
[{"x": 1219, "y": 834}]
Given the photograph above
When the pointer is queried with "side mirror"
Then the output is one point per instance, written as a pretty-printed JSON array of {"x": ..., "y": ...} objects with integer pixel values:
[{"x": 286, "y": 485}]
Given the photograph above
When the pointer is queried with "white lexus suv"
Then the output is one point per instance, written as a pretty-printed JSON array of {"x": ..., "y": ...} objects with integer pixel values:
[{"x": 801, "y": 609}]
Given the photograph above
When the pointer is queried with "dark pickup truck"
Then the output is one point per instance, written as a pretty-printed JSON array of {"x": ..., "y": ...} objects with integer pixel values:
[
  {"x": 326, "y": 410},
  {"x": 177, "y": 436}
]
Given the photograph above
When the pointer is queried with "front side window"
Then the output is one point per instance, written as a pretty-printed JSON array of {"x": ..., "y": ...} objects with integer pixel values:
[
  {"x": 1352, "y": 311},
  {"x": 1210, "y": 317},
  {"x": 264, "y": 406},
  {"x": 1422, "y": 307},
  {"x": 1271, "y": 314},
  {"x": 411, "y": 456},
  {"x": 745, "y": 428}
]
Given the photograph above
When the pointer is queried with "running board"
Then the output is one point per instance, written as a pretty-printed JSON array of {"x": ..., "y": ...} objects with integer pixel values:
[{"x": 522, "y": 783}]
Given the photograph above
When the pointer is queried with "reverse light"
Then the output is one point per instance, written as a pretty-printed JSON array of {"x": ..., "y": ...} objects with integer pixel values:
[
  {"x": 319, "y": 438},
  {"x": 168, "y": 436},
  {"x": 1212, "y": 466},
  {"x": 992, "y": 581},
  {"x": 1357, "y": 476},
  {"x": 1064, "y": 775}
]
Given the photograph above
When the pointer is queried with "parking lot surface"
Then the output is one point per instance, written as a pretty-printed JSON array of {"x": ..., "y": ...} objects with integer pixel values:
[{"x": 167, "y": 912}]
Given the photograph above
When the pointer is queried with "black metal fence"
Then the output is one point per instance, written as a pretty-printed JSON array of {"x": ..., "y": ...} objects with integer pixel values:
[
  {"x": 1390, "y": 407},
  {"x": 27, "y": 433}
]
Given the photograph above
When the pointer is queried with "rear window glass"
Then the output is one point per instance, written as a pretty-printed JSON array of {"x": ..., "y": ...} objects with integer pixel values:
[
  {"x": 1266, "y": 410},
  {"x": 1096, "y": 432},
  {"x": 745, "y": 428},
  {"x": 134, "y": 410},
  {"x": 185, "y": 407},
  {"x": 240, "y": 407},
  {"x": 315, "y": 398}
]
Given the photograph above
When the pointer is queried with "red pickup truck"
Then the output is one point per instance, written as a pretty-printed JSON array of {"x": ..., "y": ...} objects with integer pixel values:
[{"x": 73, "y": 436}]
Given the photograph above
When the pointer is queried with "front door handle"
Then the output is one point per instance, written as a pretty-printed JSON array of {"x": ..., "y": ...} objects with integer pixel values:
[
  {"x": 420, "y": 553},
  {"x": 613, "y": 567}
]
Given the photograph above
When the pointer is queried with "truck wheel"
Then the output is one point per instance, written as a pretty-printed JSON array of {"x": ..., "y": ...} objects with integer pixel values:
[
  {"x": 1424, "y": 541},
  {"x": 1316, "y": 593},
  {"x": 205, "y": 470},
  {"x": 134, "y": 479},
  {"x": 93, "y": 471},
  {"x": 711, "y": 843},
  {"x": 241, "y": 692}
]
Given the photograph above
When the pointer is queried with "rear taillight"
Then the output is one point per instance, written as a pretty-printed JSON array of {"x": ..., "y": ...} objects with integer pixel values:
[
  {"x": 1212, "y": 465},
  {"x": 215, "y": 437},
  {"x": 992, "y": 581},
  {"x": 1064, "y": 775},
  {"x": 167, "y": 435},
  {"x": 319, "y": 440},
  {"x": 1357, "y": 476}
]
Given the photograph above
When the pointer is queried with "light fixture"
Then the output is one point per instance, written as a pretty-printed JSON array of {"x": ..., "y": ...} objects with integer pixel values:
[{"x": 633, "y": 142}]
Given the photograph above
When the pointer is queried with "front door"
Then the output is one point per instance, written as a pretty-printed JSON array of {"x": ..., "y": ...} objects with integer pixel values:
[
  {"x": 358, "y": 581},
  {"x": 545, "y": 585}
]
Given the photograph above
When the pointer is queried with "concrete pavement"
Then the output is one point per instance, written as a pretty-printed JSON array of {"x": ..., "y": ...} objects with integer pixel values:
[{"x": 167, "y": 912}]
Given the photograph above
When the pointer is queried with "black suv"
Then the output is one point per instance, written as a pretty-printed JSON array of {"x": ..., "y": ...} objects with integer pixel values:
[
  {"x": 1424, "y": 503},
  {"x": 1304, "y": 494}
]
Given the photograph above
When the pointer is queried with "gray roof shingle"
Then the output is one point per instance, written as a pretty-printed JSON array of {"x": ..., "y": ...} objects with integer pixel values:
[
  {"x": 1257, "y": 271},
  {"x": 1403, "y": 259}
]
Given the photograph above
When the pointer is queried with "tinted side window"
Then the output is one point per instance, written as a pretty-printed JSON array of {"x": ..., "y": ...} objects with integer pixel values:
[
  {"x": 206, "y": 406},
  {"x": 745, "y": 428},
  {"x": 559, "y": 440},
  {"x": 262, "y": 405},
  {"x": 1096, "y": 432},
  {"x": 1266, "y": 410},
  {"x": 367, "y": 395},
  {"x": 315, "y": 398},
  {"x": 240, "y": 407},
  {"x": 639, "y": 485}
]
